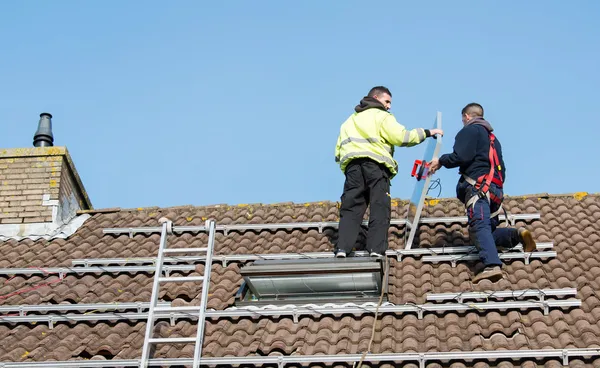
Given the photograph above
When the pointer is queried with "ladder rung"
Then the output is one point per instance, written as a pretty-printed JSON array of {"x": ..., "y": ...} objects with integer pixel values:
[
  {"x": 185, "y": 250},
  {"x": 192, "y": 308},
  {"x": 181, "y": 279},
  {"x": 171, "y": 340}
]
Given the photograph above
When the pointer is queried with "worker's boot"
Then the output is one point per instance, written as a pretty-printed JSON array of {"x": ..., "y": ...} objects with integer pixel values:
[
  {"x": 526, "y": 239},
  {"x": 492, "y": 273}
]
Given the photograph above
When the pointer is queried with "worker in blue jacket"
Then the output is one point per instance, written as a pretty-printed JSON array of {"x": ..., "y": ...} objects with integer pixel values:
[{"x": 478, "y": 154}]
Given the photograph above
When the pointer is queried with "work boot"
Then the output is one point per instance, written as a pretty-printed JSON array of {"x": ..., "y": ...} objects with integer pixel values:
[
  {"x": 375, "y": 255},
  {"x": 492, "y": 273},
  {"x": 526, "y": 239}
]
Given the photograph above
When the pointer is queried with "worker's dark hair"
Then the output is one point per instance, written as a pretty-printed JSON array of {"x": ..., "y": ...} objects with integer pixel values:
[
  {"x": 473, "y": 109},
  {"x": 376, "y": 91}
]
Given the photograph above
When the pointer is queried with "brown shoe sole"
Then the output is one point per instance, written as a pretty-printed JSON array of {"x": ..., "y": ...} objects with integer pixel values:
[
  {"x": 528, "y": 242},
  {"x": 493, "y": 276}
]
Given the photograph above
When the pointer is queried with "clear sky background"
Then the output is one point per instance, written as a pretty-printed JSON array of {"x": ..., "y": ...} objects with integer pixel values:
[{"x": 197, "y": 102}]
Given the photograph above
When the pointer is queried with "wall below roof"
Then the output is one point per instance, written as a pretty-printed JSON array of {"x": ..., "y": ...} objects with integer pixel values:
[{"x": 68, "y": 196}]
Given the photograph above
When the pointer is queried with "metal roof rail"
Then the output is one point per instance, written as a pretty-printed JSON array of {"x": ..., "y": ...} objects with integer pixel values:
[
  {"x": 320, "y": 225},
  {"x": 455, "y": 249},
  {"x": 27, "y": 308},
  {"x": 453, "y": 259},
  {"x": 541, "y": 294},
  {"x": 281, "y": 361},
  {"x": 296, "y": 312},
  {"x": 62, "y": 271},
  {"x": 419, "y": 309},
  {"x": 398, "y": 253}
]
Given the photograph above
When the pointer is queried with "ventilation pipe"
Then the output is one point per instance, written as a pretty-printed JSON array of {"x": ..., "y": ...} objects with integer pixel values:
[{"x": 43, "y": 136}]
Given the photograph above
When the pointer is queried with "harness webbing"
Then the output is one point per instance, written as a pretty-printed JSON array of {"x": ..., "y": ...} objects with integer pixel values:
[
  {"x": 482, "y": 184},
  {"x": 494, "y": 164}
]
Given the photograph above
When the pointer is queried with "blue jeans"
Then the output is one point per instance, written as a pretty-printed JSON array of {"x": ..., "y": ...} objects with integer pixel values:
[{"x": 483, "y": 230}]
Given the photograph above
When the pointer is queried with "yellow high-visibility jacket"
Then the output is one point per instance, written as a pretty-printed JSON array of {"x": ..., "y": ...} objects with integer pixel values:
[{"x": 373, "y": 133}]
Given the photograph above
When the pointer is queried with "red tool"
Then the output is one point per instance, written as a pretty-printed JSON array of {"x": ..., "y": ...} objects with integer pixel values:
[{"x": 423, "y": 169}]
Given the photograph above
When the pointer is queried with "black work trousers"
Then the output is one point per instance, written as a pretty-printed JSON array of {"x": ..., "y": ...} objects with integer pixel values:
[{"x": 367, "y": 183}]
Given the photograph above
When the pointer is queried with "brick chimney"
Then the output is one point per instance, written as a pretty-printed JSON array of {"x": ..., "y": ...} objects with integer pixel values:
[{"x": 40, "y": 190}]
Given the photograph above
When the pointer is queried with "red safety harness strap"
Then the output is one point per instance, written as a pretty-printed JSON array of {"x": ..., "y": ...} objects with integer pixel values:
[
  {"x": 482, "y": 184},
  {"x": 494, "y": 165}
]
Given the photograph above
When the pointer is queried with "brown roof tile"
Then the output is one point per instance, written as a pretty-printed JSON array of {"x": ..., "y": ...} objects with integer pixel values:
[{"x": 572, "y": 222}]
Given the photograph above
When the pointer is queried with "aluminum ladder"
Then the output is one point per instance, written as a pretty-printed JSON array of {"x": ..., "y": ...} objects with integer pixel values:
[{"x": 167, "y": 229}]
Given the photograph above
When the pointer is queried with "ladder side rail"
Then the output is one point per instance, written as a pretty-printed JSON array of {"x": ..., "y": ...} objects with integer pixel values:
[
  {"x": 155, "y": 289},
  {"x": 204, "y": 297}
]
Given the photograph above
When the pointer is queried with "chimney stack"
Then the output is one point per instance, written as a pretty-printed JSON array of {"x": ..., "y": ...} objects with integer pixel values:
[
  {"x": 43, "y": 136},
  {"x": 40, "y": 190}
]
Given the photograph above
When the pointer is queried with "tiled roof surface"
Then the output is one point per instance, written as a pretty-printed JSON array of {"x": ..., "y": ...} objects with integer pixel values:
[{"x": 572, "y": 222}]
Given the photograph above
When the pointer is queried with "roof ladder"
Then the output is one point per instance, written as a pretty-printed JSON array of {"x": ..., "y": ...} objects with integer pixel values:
[{"x": 167, "y": 228}]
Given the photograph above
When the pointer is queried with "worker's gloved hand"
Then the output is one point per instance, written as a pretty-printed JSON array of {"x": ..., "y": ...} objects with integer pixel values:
[
  {"x": 433, "y": 132},
  {"x": 434, "y": 166}
]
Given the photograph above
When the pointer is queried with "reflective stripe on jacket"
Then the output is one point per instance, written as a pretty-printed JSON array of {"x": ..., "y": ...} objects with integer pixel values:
[{"x": 373, "y": 133}]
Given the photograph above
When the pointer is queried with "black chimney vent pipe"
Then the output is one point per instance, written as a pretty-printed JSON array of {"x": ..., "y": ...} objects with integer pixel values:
[{"x": 43, "y": 136}]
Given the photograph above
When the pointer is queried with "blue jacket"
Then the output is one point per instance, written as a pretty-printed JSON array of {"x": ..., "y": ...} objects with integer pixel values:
[{"x": 471, "y": 150}]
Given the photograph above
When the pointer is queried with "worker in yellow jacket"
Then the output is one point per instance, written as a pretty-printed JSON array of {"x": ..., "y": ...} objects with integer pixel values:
[{"x": 364, "y": 151}]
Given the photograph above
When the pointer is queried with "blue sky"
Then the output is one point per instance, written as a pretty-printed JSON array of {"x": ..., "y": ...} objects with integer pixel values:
[{"x": 241, "y": 102}]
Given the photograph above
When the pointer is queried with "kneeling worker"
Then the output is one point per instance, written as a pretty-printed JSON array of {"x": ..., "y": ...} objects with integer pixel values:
[
  {"x": 478, "y": 153},
  {"x": 364, "y": 151}
]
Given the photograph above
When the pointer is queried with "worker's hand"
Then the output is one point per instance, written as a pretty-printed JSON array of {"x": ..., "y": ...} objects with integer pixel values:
[
  {"x": 433, "y": 132},
  {"x": 434, "y": 166}
]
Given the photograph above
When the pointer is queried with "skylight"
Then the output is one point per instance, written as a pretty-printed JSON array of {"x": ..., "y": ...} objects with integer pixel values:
[{"x": 355, "y": 279}]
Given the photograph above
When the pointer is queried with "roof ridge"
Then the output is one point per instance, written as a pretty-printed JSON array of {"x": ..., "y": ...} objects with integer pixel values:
[{"x": 395, "y": 202}]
